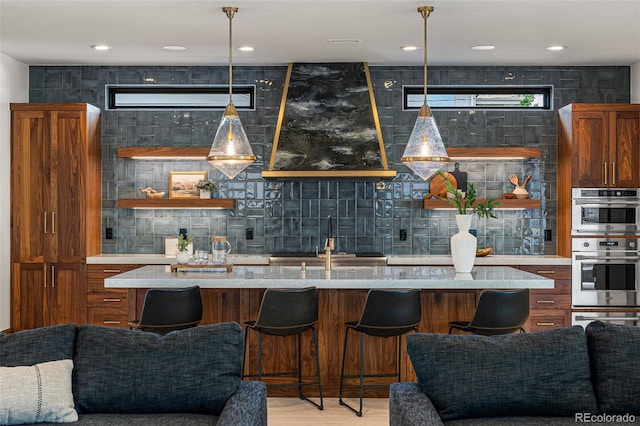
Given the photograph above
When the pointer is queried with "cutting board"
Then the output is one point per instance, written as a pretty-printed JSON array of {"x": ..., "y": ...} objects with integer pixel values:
[
  {"x": 437, "y": 186},
  {"x": 461, "y": 177}
]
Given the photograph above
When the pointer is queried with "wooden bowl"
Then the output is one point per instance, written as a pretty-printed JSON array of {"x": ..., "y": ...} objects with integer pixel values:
[
  {"x": 484, "y": 252},
  {"x": 508, "y": 195}
]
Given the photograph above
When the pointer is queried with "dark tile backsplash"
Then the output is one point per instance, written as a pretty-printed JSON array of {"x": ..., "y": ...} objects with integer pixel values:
[{"x": 291, "y": 215}]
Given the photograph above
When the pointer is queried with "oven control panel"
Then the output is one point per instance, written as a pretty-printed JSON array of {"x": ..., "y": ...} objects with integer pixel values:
[{"x": 604, "y": 244}]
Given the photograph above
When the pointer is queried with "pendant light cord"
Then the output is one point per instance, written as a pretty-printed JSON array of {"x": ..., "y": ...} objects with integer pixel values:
[
  {"x": 425, "y": 11},
  {"x": 230, "y": 11}
]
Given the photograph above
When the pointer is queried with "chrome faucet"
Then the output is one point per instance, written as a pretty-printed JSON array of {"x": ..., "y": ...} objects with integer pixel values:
[{"x": 329, "y": 245}]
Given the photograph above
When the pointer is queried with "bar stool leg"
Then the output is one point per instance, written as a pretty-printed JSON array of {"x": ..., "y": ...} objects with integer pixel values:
[
  {"x": 359, "y": 412},
  {"x": 344, "y": 359},
  {"x": 244, "y": 355},
  {"x": 299, "y": 370},
  {"x": 315, "y": 342},
  {"x": 361, "y": 373},
  {"x": 259, "y": 356}
]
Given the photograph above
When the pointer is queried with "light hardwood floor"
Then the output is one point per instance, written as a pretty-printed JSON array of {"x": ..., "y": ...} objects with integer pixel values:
[{"x": 293, "y": 411}]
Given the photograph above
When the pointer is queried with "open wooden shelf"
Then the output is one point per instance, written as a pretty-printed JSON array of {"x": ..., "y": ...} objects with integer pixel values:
[
  {"x": 173, "y": 203},
  {"x": 166, "y": 153},
  {"x": 525, "y": 204},
  {"x": 493, "y": 152},
  {"x": 176, "y": 153}
]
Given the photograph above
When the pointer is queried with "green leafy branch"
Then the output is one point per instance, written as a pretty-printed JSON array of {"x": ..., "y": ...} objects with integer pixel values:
[{"x": 469, "y": 203}]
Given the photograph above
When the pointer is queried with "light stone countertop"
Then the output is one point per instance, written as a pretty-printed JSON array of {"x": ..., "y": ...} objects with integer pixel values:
[
  {"x": 500, "y": 260},
  {"x": 161, "y": 259},
  {"x": 345, "y": 277},
  {"x": 392, "y": 260}
]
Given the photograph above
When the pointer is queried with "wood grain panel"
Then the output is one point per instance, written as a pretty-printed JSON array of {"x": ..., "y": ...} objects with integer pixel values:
[{"x": 624, "y": 155}]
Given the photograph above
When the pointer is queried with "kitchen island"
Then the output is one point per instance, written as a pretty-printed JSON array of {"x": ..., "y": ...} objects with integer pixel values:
[
  {"x": 236, "y": 296},
  {"x": 340, "y": 277}
]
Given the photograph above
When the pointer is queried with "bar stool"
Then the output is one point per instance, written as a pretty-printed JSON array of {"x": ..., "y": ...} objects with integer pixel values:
[
  {"x": 168, "y": 309},
  {"x": 287, "y": 312},
  {"x": 386, "y": 313},
  {"x": 497, "y": 312}
]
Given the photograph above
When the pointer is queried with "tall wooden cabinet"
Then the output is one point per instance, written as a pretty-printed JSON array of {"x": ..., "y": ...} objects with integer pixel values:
[
  {"x": 598, "y": 147},
  {"x": 55, "y": 210}
]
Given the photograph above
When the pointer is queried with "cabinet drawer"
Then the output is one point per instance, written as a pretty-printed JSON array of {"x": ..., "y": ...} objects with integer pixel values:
[
  {"x": 111, "y": 300},
  {"x": 108, "y": 318},
  {"x": 97, "y": 273},
  {"x": 546, "y": 322},
  {"x": 562, "y": 272},
  {"x": 549, "y": 301}
]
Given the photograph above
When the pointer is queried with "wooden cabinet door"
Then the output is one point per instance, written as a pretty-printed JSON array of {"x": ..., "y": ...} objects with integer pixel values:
[
  {"x": 30, "y": 187},
  {"x": 591, "y": 149},
  {"x": 66, "y": 294},
  {"x": 28, "y": 296},
  {"x": 68, "y": 135},
  {"x": 624, "y": 149}
]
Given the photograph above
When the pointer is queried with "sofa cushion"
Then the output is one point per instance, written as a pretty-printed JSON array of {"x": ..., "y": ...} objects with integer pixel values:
[
  {"x": 529, "y": 374},
  {"x": 614, "y": 353},
  {"x": 37, "y": 346},
  {"x": 37, "y": 393},
  {"x": 123, "y": 371}
]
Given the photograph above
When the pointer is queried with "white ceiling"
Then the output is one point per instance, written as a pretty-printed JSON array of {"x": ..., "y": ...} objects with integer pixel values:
[{"x": 596, "y": 32}]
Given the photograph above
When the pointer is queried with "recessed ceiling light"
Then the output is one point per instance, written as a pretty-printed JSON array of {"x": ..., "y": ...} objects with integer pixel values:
[
  {"x": 245, "y": 49},
  {"x": 174, "y": 47},
  {"x": 410, "y": 48},
  {"x": 483, "y": 47},
  {"x": 100, "y": 47},
  {"x": 556, "y": 47}
]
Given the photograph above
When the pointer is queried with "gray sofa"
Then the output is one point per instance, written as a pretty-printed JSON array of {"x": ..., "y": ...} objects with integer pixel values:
[
  {"x": 555, "y": 377},
  {"x": 93, "y": 375}
]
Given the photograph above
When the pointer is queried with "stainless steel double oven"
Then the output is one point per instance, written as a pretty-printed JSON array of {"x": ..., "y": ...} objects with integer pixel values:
[{"x": 605, "y": 255}]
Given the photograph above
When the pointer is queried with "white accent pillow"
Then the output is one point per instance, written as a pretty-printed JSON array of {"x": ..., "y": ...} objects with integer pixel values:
[{"x": 37, "y": 393}]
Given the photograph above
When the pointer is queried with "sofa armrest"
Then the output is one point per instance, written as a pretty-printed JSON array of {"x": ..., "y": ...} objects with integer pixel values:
[
  {"x": 248, "y": 406},
  {"x": 409, "y": 406}
]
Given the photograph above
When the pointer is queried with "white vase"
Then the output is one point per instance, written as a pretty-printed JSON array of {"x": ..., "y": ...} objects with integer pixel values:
[
  {"x": 463, "y": 245},
  {"x": 205, "y": 194},
  {"x": 183, "y": 257}
]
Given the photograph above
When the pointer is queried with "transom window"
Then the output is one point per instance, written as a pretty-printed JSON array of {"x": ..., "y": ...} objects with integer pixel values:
[
  {"x": 178, "y": 97},
  {"x": 479, "y": 97}
]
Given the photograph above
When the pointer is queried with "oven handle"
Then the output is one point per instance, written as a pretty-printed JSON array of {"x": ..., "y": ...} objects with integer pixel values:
[
  {"x": 605, "y": 258},
  {"x": 607, "y": 318},
  {"x": 592, "y": 203}
]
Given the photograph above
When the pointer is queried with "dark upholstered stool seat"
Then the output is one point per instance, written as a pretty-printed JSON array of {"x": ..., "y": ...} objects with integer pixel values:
[{"x": 386, "y": 313}]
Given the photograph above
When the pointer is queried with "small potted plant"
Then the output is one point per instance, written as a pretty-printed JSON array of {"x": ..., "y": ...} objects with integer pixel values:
[
  {"x": 206, "y": 187},
  {"x": 464, "y": 244},
  {"x": 183, "y": 248}
]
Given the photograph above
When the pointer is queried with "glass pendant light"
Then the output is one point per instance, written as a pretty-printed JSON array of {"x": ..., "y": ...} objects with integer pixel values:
[
  {"x": 230, "y": 152},
  {"x": 425, "y": 153}
]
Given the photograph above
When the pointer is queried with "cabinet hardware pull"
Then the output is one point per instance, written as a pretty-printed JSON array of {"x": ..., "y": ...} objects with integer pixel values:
[
  {"x": 45, "y": 222},
  {"x": 110, "y": 300},
  {"x": 613, "y": 174},
  {"x": 53, "y": 277},
  {"x": 545, "y": 272},
  {"x": 53, "y": 222},
  {"x": 546, "y": 323},
  {"x": 44, "y": 270},
  {"x": 112, "y": 322},
  {"x": 116, "y": 271},
  {"x": 551, "y": 302},
  {"x": 606, "y": 172}
]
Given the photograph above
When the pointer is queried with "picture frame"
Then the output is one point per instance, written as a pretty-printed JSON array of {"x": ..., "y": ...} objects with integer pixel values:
[{"x": 183, "y": 184}]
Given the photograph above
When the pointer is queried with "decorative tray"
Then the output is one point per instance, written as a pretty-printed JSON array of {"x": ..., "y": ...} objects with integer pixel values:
[{"x": 202, "y": 267}]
